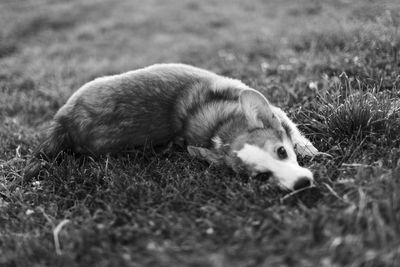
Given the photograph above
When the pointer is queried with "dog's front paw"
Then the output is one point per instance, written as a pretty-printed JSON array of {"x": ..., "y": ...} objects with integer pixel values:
[{"x": 306, "y": 149}]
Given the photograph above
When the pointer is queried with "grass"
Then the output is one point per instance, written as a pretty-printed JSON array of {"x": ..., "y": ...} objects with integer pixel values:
[{"x": 332, "y": 65}]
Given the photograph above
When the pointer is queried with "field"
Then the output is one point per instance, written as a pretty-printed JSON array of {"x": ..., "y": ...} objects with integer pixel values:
[{"x": 332, "y": 65}]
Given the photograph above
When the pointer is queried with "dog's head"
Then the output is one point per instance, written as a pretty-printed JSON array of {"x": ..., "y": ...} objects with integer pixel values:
[{"x": 262, "y": 148}]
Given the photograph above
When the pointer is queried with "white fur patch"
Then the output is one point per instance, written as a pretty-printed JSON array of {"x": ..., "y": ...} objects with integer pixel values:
[
  {"x": 217, "y": 142},
  {"x": 286, "y": 172},
  {"x": 254, "y": 156}
]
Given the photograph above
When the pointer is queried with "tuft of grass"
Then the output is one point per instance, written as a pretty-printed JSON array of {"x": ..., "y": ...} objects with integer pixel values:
[
  {"x": 347, "y": 118},
  {"x": 356, "y": 116}
]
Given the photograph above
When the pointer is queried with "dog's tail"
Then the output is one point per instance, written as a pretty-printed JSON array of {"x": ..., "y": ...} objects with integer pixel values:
[{"x": 57, "y": 139}]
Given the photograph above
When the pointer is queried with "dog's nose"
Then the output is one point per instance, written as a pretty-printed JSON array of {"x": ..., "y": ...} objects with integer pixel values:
[{"x": 302, "y": 183}]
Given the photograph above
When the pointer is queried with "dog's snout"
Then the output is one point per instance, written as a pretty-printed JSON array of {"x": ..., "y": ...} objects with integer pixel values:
[{"x": 302, "y": 183}]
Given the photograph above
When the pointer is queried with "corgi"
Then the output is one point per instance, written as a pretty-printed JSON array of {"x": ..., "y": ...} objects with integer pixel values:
[{"x": 219, "y": 119}]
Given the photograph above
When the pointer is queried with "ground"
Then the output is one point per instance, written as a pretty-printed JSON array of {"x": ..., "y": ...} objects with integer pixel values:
[{"x": 332, "y": 65}]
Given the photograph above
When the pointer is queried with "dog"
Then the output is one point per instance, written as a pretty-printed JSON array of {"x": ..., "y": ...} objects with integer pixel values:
[{"x": 219, "y": 119}]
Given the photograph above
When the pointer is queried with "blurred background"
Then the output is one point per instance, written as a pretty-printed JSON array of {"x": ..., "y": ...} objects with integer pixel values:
[{"x": 49, "y": 48}]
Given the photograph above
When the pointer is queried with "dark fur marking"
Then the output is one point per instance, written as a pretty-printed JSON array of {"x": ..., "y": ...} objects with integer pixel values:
[
  {"x": 210, "y": 97},
  {"x": 255, "y": 129},
  {"x": 206, "y": 99},
  {"x": 287, "y": 129},
  {"x": 264, "y": 176},
  {"x": 218, "y": 125},
  {"x": 221, "y": 95}
]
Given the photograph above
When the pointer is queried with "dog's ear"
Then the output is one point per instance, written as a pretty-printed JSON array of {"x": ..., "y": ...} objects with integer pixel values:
[
  {"x": 258, "y": 110},
  {"x": 205, "y": 154}
]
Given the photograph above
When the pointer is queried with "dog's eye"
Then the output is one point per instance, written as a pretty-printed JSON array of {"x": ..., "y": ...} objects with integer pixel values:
[
  {"x": 282, "y": 154},
  {"x": 263, "y": 177}
]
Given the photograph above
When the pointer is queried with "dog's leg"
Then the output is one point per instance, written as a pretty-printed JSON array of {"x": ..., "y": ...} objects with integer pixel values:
[{"x": 302, "y": 145}]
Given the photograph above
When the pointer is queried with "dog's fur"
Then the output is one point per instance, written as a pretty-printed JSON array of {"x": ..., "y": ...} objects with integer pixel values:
[{"x": 220, "y": 120}]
